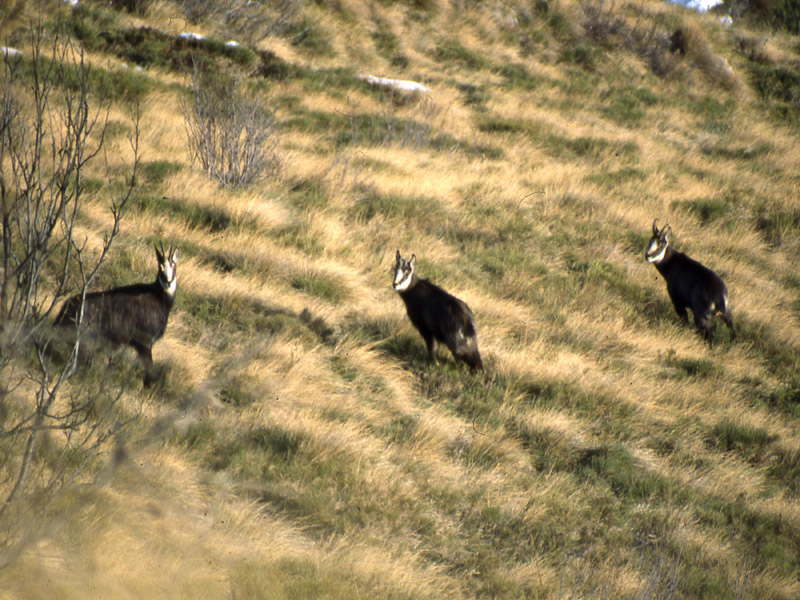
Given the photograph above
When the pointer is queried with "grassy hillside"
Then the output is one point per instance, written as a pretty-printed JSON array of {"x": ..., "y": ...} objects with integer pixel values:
[{"x": 300, "y": 445}]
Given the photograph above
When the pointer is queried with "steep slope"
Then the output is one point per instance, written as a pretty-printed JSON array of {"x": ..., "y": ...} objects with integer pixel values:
[{"x": 299, "y": 444}]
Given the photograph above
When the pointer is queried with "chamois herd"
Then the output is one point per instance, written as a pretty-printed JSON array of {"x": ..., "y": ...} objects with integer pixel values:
[{"x": 136, "y": 315}]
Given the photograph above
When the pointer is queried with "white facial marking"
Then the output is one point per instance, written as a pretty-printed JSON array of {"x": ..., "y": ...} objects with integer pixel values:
[
  {"x": 169, "y": 275},
  {"x": 401, "y": 281},
  {"x": 656, "y": 258},
  {"x": 173, "y": 286}
]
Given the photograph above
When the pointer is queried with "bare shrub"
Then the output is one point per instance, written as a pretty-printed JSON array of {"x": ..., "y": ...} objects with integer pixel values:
[
  {"x": 251, "y": 20},
  {"x": 230, "y": 132},
  {"x": 690, "y": 42},
  {"x": 135, "y": 7},
  {"x": 602, "y": 22},
  {"x": 52, "y": 127}
]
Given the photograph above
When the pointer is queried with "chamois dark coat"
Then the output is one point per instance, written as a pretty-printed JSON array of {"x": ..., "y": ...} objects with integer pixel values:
[
  {"x": 132, "y": 315},
  {"x": 689, "y": 283},
  {"x": 437, "y": 315}
]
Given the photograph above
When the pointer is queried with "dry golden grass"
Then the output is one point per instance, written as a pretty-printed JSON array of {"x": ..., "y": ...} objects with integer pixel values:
[{"x": 299, "y": 445}]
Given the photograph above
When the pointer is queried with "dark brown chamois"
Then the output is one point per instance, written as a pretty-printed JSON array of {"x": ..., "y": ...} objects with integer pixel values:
[
  {"x": 437, "y": 315},
  {"x": 689, "y": 283},
  {"x": 132, "y": 315}
]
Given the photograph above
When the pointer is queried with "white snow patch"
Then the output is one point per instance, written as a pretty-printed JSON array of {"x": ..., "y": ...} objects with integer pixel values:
[
  {"x": 191, "y": 36},
  {"x": 397, "y": 84},
  {"x": 6, "y": 51},
  {"x": 232, "y": 44},
  {"x": 698, "y": 5}
]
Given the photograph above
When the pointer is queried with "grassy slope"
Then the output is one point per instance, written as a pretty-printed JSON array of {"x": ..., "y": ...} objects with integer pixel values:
[{"x": 300, "y": 446}]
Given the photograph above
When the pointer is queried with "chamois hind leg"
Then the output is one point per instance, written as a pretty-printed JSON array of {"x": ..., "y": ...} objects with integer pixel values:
[
  {"x": 727, "y": 318},
  {"x": 463, "y": 353}
]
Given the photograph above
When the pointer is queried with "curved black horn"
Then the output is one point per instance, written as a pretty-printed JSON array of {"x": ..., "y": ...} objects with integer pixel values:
[{"x": 655, "y": 226}]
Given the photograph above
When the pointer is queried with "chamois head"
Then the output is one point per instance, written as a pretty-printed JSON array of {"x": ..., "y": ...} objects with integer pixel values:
[
  {"x": 658, "y": 243},
  {"x": 167, "y": 268},
  {"x": 403, "y": 270}
]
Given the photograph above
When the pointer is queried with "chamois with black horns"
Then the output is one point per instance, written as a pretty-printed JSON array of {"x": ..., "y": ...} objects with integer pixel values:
[
  {"x": 689, "y": 283},
  {"x": 132, "y": 315},
  {"x": 437, "y": 315}
]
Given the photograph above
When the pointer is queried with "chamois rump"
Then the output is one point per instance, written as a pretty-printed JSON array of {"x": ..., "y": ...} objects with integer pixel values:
[
  {"x": 437, "y": 315},
  {"x": 689, "y": 283},
  {"x": 132, "y": 315}
]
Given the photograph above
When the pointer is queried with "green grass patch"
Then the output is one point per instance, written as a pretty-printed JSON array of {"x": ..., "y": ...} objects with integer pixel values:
[
  {"x": 149, "y": 47},
  {"x": 317, "y": 121},
  {"x": 474, "y": 95},
  {"x": 750, "y": 442},
  {"x": 779, "y": 87},
  {"x": 691, "y": 367},
  {"x": 237, "y": 314},
  {"x": 617, "y": 177},
  {"x": 210, "y": 218},
  {"x": 156, "y": 171},
  {"x": 779, "y": 357},
  {"x": 786, "y": 396},
  {"x": 627, "y": 106},
  {"x": 399, "y": 429},
  {"x": 238, "y": 392},
  {"x": 299, "y": 236},
  {"x": 292, "y": 579},
  {"x": 311, "y": 37},
  {"x": 451, "y": 51},
  {"x": 425, "y": 212},
  {"x": 516, "y": 76},
  {"x": 320, "y": 285},
  {"x": 705, "y": 210},
  {"x": 777, "y": 224},
  {"x": 616, "y": 468},
  {"x": 309, "y": 194}
]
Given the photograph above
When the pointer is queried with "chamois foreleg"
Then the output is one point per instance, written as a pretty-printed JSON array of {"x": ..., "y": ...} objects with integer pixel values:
[
  {"x": 146, "y": 356},
  {"x": 703, "y": 322},
  {"x": 681, "y": 310},
  {"x": 430, "y": 343}
]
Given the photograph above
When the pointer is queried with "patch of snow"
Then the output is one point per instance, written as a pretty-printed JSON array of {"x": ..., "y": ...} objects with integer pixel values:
[
  {"x": 71, "y": 2},
  {"x": 698, "y": 5},
  {"x": 232, "y": 44},
  {"x": 191, "y": 36},
  {"x": 5, "y": 51},
  {"x": 397, "y": 84},
  {"x": 727, "y": 20}
]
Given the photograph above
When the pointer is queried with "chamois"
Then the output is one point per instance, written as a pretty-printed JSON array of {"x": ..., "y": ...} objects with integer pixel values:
[
  {"x": 132, "y": 315},
  {"x": 437, "y": 315},
  {"x": 689, "y": 283}
]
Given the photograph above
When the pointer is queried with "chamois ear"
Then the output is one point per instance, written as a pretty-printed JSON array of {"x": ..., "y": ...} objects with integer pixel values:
[
  {"x": 665, "y": 232},
  {"x": 174, "y": 256},
  {"x": 159, "y": 255},
  {"x": 413, "y": 261},
  {"x": 655, "y": 226}
]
